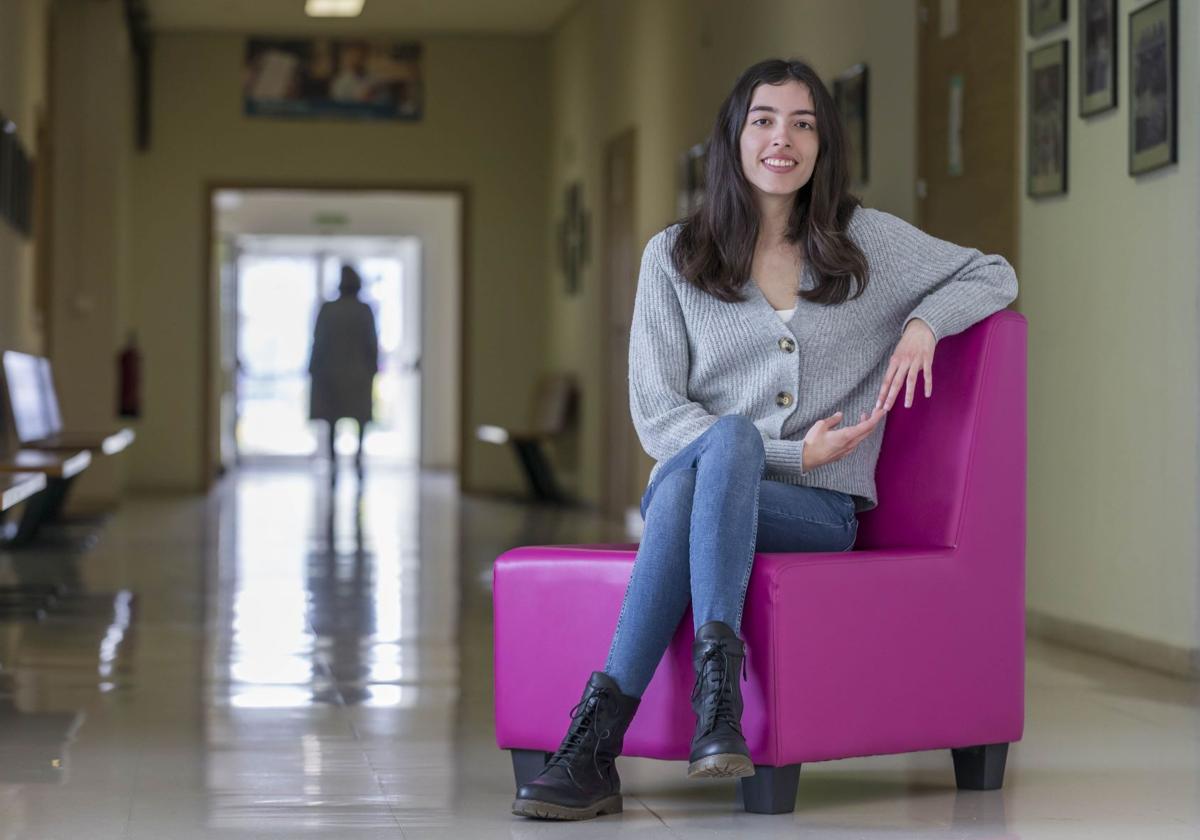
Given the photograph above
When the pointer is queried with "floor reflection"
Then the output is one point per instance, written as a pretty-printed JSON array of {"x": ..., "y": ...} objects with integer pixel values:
[
  {"x": 286, "y": 658},
  {"x": 337, "y": 608},
  {"x": 34, "y": 745}
]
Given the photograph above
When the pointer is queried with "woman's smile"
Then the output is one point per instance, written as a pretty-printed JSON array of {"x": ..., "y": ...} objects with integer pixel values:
[{"x": 779, "y": 164}]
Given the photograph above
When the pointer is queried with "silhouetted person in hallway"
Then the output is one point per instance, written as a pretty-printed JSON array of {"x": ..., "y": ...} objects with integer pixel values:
[{"x": 345, "y": 358}]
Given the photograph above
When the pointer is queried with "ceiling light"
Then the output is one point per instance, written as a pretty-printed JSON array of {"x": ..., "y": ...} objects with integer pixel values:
[{"x": 333, "y": 8}]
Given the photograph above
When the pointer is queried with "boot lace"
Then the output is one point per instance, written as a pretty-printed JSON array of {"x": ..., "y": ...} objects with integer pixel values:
[
  {"x": 714, "y": 670},
  {"x": 583, "y": 726}
]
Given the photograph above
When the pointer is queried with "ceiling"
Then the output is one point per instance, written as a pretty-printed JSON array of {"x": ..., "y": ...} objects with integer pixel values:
[{"x": 459, "y": 16}]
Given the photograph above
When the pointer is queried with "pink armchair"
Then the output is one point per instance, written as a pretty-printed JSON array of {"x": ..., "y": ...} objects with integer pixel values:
[{"x": 913, "y": 641}]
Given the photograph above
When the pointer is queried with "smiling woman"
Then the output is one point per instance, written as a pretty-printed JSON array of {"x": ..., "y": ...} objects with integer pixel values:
[
  {"x": 743, "y": 409},
  {"x": 777, "y": 159}
]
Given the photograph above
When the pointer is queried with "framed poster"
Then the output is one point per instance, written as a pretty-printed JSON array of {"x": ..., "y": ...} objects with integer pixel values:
[
  {"x": 8, "y": 144},
  {"x": 1044, "y": 15},
  {"x": 690, "y": 179},
  {"x": 573, "y": 237},
  {"x": 850, "y": 91},
  {"x": 1153, "y": 86},
  {"x": 1097, "y": 56},
  {"x": 1046, "y": 144},
  {"x": 347, "y": 78},
  {"x": 16, "y": 179}
]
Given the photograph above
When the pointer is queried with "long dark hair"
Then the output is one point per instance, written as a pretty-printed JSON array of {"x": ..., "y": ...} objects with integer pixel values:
[{"x": 715, "y": 247}]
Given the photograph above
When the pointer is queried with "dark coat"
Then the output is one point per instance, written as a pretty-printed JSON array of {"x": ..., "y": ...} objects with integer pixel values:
[{"x": 345, "y": 358}]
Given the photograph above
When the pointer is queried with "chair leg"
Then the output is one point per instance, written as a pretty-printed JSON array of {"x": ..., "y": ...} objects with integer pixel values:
[
  {"x": 980, "y": 768},
  {"x": 527, "y": 764},
  {"x": 771, "y": 790}
]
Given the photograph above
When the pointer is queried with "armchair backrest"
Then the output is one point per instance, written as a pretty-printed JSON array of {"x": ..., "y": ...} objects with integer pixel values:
[{"x": 952, "y": 468}]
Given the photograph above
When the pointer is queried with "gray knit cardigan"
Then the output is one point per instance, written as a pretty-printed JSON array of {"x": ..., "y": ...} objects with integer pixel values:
[{"x": 694, "y": 358}]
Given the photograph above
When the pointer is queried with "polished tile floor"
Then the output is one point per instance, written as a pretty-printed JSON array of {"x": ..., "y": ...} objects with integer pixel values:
[{"x": 280, "y": 661}]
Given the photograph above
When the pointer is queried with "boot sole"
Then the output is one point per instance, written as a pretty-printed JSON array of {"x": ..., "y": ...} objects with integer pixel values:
[
  {"x": 723, "y": 766},
  {"x": 550, "y": 811}
]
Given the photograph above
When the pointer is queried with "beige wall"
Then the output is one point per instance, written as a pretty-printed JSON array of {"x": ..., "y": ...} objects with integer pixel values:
[
  {"x": 664, "y": 68},
  {"x": 1108, "y": 281},
  {"x": 22, "y": 99},
  {"x": 485, "y": 127},
  {"x": 93, "y": 146}
]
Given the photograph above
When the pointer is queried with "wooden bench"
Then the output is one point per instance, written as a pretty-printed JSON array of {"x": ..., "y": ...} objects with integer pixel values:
[
  {"x": 36, "y": 418},
  {"x": 57, "y": 469},
  {"x": 17, "y": 487},
  {"x": 61, "y": 465},
  {"x": 552, "y": 410}
]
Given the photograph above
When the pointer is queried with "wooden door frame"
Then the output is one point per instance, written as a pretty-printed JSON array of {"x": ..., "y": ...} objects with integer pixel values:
[
  {"x": 609, "y": 419},
  {"x": 209, "y": 471}
]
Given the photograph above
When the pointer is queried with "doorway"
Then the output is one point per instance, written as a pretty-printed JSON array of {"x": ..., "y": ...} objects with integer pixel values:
[
  {"x": 281, "y": 284},
  {"x": 968, "y": 74},
  {"x": 276, "y": 257}
]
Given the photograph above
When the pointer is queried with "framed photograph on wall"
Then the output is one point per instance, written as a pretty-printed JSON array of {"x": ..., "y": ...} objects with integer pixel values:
[
  {"x": 850, "y": 92},
  {"x": 691, "y": 167},
  {"x": 1044, "y": 15},
  {"x": 1046, "y": 145},
  {"x": 1097, "y": 56},
  {"x": 1153, "y": 86},
  {"x": 573, "y": 237},
  {"x": 338, "y": 78},
  {"x": 16, "y": 179},
  {"x": 8, "y": 144}
]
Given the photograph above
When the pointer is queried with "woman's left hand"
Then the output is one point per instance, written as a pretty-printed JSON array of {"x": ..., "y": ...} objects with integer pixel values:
[{"x": 913, "y": 354}]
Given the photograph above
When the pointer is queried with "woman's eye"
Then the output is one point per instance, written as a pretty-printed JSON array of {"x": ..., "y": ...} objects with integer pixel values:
[
  {"x": 760, "y": 120},
  {"x": 803, "y": 123}
]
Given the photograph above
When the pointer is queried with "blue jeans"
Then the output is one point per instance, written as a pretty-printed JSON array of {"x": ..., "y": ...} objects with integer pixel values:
[{"x": 707, "y": 511}]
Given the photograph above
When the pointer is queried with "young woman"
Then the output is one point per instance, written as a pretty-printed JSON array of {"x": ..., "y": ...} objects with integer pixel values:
[{"x": 775, "y": 311}]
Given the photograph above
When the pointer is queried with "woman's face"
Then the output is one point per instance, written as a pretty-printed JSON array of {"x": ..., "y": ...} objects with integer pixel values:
[{"x": 779, "y": 141}]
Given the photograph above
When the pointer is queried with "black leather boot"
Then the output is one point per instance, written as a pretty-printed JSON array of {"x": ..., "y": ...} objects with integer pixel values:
[
  {"x": 718, "y": 748},
  {"x": 580, "y": 780}
]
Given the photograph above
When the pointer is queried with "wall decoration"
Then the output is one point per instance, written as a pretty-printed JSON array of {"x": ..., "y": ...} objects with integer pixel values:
[
  {"x": 1097, "y": 56},
  {"x": 16, "y": 180},
  {"x": 690, "y": 179},
  {"x": 850, "y": 93},
  {"x": 1153, "y": 86},
  {"x": 1046, "y": 147},
  {"x": 340, "y": 78},
  {"x": 1044, "y": 15},
  {"x": 573, "y": 232},
  {"x": 954, "y": 121}
]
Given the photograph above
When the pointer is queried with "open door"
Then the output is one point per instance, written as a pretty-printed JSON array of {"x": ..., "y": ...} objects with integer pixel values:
[{"x": 968, "y": 195}]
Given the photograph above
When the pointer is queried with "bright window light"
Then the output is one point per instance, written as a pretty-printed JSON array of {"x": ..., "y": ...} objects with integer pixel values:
[{"x": 333, "y": 8}]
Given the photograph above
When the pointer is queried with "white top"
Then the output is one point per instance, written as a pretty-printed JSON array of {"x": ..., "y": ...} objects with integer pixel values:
[{"x": 785, "y": 315}]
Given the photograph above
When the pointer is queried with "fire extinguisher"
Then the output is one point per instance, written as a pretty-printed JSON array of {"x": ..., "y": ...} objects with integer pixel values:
[{"x": 129, "y": 379}]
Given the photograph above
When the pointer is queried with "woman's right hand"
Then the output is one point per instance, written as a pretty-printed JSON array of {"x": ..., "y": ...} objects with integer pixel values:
[{"x": 824, "y": 444}]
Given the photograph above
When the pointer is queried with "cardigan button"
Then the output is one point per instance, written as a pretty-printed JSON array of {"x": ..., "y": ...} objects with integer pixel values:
[
  {"x": 787, "y": 345},
  {"x": 783, "y": 399}
]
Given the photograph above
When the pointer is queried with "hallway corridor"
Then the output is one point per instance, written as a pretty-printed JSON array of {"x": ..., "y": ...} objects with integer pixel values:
[{"x": 281, "y": 662}]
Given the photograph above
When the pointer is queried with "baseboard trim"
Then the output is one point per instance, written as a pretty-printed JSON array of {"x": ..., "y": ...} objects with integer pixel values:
[{"x": 1115, "y": 644}]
